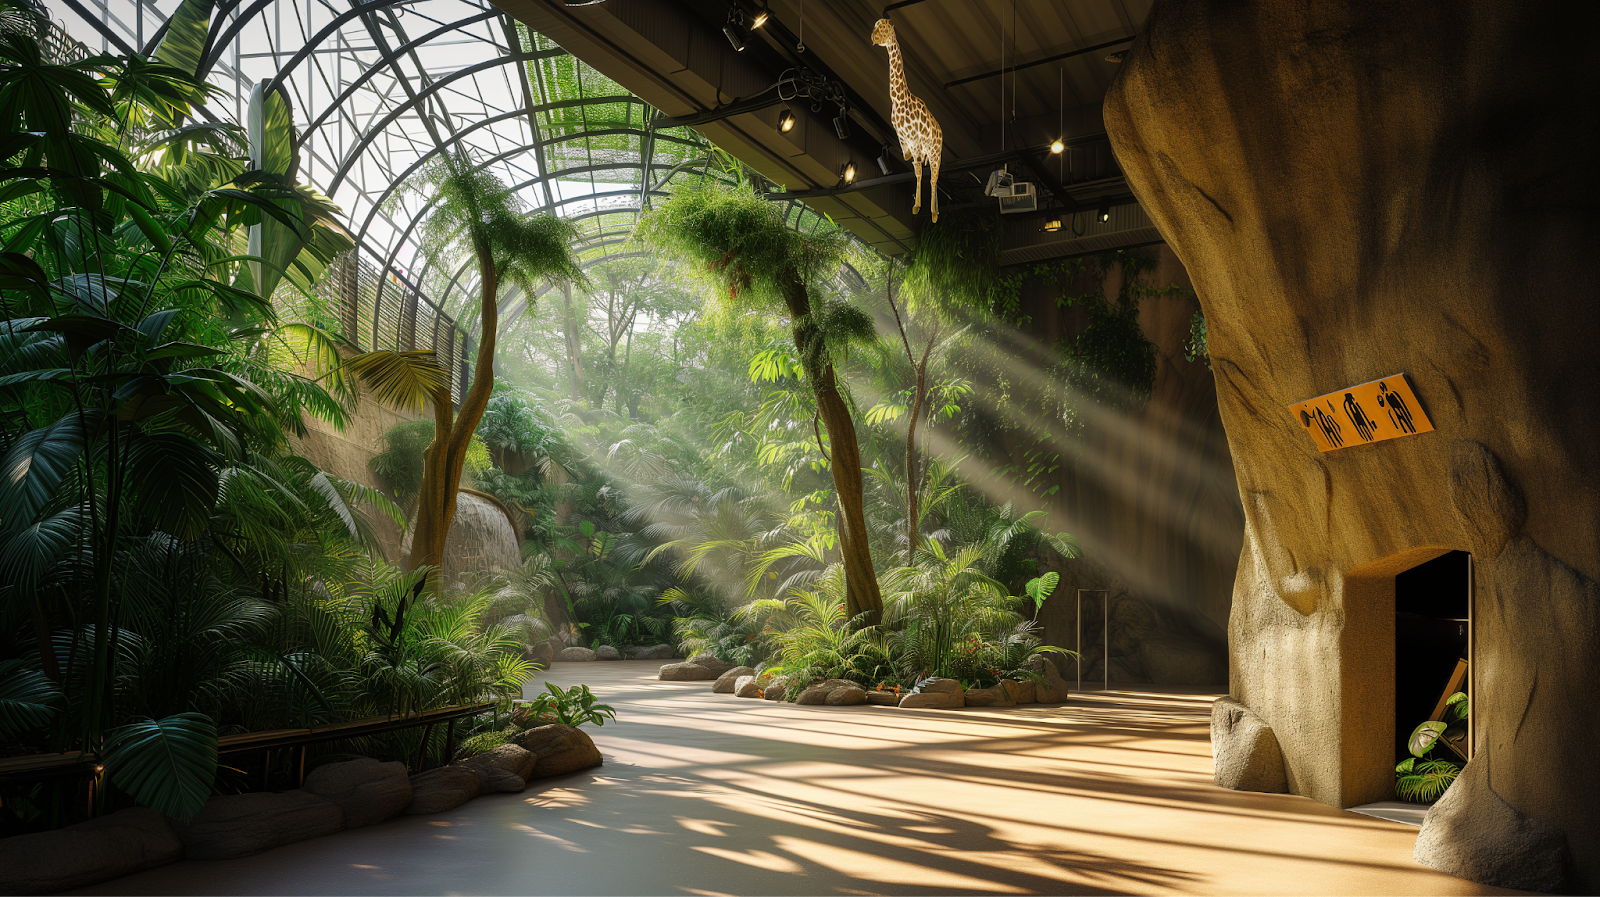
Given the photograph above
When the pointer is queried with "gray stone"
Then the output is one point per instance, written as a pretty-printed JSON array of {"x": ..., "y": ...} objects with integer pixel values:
[
  {"x": 685, "y": 672},
  {"x": 560, "y": 750},
  {"x": 776, "y": 689},
  {"x": 607, "y": 652},
  {"x": 938, "y": 686},
  {"x": 936, "y": 700},
  {"x": 654, "y": 652},
  {"x": 506, "y": 768},
  {"x": 713, "y": 663},
  {"x": 1245, "y": 750},
  {"x": 238, "y": 825},
  {"x": 540, "y": 653},
  {"x": 112, "y": 846},
  {"x": 1020, "y": 692},
  {"x": 813, "y": 694},
  {"x": 747, "y": 687},
  {"x": 883, "y": 698},
  {"x": 1473, "y": 833},
  {"x": 846, "y": 696},
  {"x": 367, "y": 790},
  {"x": 443, "y": 789},
  {"x": 574, "y": 655},
  {"x": 1174, "y": 660},
  {"x": 725, "y": 682}
]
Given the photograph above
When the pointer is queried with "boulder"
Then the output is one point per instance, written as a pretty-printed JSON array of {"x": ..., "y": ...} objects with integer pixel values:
[
  {"x": 1245, "y": 750},
  {"x": 993, "y": 696},
  {"x": 1175, "y": 660},
  {"x": 506, "y": 768},
  {"x": 776, "y": 689},
  {"x": 112, "y": 846},
  {"x": 1473, "y": 833},
  {"x": 1020, "y": 692},
  {"x": 819, "y": 692},
  {"x": 367, "y": 790},
  {"x": 846, "y": 696},
  {"x": 1054, "y": 689},
  {"x": 938, "y": 686},
  {"x": 238, "y": 825},
  {"x": 574, "y": 655},
  {"x": 685, "y": 672},
  {"x": 725, "y": 682},
  {"x": 654, "y": 652},
  {"x": 936, "y": 700},
  {"x": 747, "y": 687},
  {"x": 443, "y": 789},
  {"x": 883, "y": 698},
  {"x": 607, "y": 652},
  {"x": 559, "y": 750},
  {"x": 711, "y": 662},
  {"x": 540, "y": 653}
]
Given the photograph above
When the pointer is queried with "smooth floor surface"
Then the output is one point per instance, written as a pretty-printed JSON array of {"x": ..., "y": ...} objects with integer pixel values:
[{"x": 712, "y": 794}]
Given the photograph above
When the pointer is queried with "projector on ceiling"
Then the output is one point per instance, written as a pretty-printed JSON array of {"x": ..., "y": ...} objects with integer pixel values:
[{"x": 1014, "y": 195}]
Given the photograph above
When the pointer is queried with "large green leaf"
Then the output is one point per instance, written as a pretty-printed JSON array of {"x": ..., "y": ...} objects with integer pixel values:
[
  {"x": 35, "y": 466},
  {"x": 1423, "y": 737},
  {"x": 33, "y": 550},
  {"x": 28, "y": 698},
  {"x": 175, "y": 478},
  {"x": 165, "y": 764},
  {"x": 184, "y": 44},
  {"x": 406, "y": 380}
]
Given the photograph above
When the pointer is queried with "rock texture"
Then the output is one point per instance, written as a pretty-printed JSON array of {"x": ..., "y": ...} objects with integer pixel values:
[
  {"x": 685, "y": 672},
  {"x": 482, "y": 540},
  {"x": 776, "y": 689},
  {"x": 445, "y": 788},
  {"x": 710, "y": 662},
  {"x": 654, "y": 652},
  {"x": 112, "y": 846},
  {"x": 1328, "y": 176},
  {"x": 607, "y": 652},
  {"x": 504, "y": 769},
  {"x": 1244, "y": 750},
  {"x": 747, "y": 687},
  {"x": 994, "y": 696},
  {"x": 367, "y": 790},
  {"x": 938, "y": 694},
  {"x": 725, "y": 683},
  {"x": 559, "y": 750},
  {"x": 846, "y": 696},
  {"x": 575, "y": 655},
  {"x": 823, "y": 692},
  {"x": 1054, "y": 689},
  {"x": 1473, "y": 834},
  {"x": 238, "y": 825},
  {"x": 883, "y": 698}
]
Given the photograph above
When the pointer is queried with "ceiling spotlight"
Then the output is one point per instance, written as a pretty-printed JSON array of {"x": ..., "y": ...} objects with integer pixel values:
[
  {"x": 1053, "y": 225},
  {"x": 883, "y": 159},
  {"x": 841, "y": 123},
  {"x": 849, "y": 172},
  {"x": 762, "y": 15},
  {"x": 1104, "y": 213},
  {"x": 736, "y": 31},
  {"x": 1056, "y": 146},
  {"x": 786, "y": 121}
]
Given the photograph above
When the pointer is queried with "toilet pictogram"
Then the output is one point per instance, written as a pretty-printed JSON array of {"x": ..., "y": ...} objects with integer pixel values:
[{"x": 1376, "y": 411}]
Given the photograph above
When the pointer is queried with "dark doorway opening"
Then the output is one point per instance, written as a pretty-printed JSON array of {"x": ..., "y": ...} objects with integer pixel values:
[{"x": 1432, "y": 604}]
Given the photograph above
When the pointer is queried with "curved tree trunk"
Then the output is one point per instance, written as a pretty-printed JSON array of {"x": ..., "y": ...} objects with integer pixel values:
[
  {"x": 453, "y": 428},
  {"x": 861, "y": 581}
]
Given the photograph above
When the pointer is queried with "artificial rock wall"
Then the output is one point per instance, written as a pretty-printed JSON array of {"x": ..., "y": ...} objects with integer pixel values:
[{"x": 1360, "y": 190}]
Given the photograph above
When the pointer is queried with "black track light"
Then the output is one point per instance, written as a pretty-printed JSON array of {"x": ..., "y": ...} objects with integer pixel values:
[
  {"x": 736, "y": 31},
  {"x": 1104, "y": 213},
  {"x": 883, "y": 159},
  {"x": 786, "y": 121},
  {"x": 762, "y": 15},
  {"x": 841, "y": 123}
]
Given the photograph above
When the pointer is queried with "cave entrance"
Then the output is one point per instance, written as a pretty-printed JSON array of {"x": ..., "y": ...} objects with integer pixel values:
[{"x": 1432, "y": 643}]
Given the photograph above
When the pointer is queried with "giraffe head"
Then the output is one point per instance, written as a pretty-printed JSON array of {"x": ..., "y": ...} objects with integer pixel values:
[{"x": 883, "y": 33}]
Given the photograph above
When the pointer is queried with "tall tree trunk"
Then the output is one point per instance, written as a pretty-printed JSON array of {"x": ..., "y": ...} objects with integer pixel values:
[
  {"x": 861, "y": 581},
  {"x": 444, "y": 459},
  {"x": 919, "y": 397}
]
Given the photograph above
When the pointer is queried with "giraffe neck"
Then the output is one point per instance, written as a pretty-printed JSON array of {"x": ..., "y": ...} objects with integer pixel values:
[{"x": 897, "y": 72}]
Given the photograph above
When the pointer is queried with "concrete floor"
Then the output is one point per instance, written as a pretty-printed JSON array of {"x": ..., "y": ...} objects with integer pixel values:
[{"x": 711, "y": 794}]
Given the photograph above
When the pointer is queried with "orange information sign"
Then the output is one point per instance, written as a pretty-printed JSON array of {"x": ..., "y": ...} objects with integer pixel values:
[{"x": 1371, "y": 412}]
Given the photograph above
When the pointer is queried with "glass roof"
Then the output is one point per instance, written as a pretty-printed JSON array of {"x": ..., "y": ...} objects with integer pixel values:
[{"x": 378, "y": 88}]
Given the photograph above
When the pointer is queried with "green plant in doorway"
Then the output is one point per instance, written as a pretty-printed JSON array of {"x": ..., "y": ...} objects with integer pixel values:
[{"x": 1422, "y": 778}]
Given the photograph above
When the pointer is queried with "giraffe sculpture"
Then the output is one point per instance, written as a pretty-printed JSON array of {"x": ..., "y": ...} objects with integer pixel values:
[{"x": 920, "y": 136}]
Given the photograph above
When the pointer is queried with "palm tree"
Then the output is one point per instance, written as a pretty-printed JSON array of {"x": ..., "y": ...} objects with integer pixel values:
[
  {"x": 475, "y": 213},
  {"x": 746, "y": 248}
]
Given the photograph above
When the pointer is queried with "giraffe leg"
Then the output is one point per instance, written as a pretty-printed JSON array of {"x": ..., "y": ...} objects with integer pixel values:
[
  {"x": 933, "y": 182},
  {"x": 916, "y": 166}
]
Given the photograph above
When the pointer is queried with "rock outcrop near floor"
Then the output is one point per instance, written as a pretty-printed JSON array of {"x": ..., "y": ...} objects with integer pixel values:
[{"x": 1360, "y": 190}]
